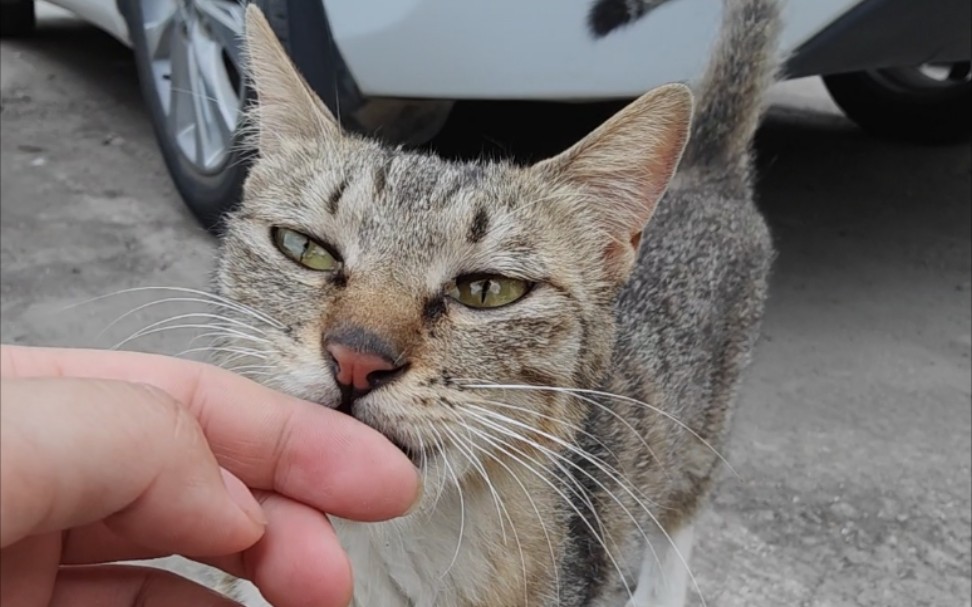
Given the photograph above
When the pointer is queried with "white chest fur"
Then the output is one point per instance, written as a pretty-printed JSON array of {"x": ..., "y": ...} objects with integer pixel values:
[
  {"x": 434, "y": 559},
  {"x": 428, "y": 559}
]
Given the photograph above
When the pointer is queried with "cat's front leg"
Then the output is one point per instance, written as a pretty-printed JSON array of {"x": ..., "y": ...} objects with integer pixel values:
[{"x": 664, "y": 577}]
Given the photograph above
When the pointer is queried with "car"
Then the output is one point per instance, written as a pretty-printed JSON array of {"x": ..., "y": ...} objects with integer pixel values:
[{"x": 394, "y": 68}]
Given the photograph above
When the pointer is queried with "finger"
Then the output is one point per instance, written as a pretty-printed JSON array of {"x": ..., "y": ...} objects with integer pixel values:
[
  {"x": 297, "y": 562},
  {"x": 270, "y": 441},
  {"x": 77, "y": 451},
  {"x": 124, "y": 586},
  {"x": 27, "y": 570}
]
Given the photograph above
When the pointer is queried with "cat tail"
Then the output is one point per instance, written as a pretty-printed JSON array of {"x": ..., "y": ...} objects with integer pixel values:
[{"x": 729, "y": 99}]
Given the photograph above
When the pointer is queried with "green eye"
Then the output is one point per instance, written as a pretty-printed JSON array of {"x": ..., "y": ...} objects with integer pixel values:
[
  {"x": 487, "y": 290},
  {"x": 305, "y": 251}
]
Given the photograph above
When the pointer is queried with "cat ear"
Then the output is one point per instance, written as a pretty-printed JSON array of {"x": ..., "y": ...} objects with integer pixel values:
[
  {"x": 286, "y": 106},
  {"x": 624, "y": 166}
]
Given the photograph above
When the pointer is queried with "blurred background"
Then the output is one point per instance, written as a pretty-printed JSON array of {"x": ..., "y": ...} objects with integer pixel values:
[{"x": 853, "y": 439}]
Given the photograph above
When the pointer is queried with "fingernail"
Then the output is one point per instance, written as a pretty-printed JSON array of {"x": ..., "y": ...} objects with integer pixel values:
[
  {"x": 419, "y": 492},
  {"x": 241, "y": 496}
]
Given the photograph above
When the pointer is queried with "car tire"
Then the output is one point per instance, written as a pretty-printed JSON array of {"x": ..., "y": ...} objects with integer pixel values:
[
  {"x": 17, "y": 18},
  {"x": 204, "y": 157},
  {"x": 908, "y": 104}
]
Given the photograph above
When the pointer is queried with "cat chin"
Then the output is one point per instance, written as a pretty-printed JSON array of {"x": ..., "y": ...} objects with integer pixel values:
[{"x": 417, "y": 457}]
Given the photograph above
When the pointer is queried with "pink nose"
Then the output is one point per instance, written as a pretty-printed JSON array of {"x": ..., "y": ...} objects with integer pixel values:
[{"x": 358, "y": 370}]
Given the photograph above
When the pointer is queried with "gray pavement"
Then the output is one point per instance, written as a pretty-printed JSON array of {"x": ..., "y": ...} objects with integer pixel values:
[{"x": 854, "y": 433}]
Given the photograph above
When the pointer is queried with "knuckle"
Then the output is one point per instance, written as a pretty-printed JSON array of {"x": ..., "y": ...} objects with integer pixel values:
[{"x": 183, "y": 426}]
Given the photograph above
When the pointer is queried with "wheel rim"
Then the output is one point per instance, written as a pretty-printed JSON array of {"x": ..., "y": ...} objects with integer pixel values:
[
  {"x": 194, "y": 50},
  {"x": 927, "y": 78}
]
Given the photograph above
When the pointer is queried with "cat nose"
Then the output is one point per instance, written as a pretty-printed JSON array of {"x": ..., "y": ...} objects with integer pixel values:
[
  {"x": 360, "y": 371},
  {"x": 362, "y": 361}
]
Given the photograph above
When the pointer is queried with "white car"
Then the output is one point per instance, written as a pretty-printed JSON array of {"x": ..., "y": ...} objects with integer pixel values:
[{"x": 395, "y": 67}]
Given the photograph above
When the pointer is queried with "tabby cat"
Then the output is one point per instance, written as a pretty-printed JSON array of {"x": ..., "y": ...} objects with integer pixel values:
[{"x": 561, "y": 374}]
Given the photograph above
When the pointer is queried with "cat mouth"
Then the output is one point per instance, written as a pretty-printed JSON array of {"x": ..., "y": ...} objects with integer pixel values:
[{"x": 416, "y": 455}]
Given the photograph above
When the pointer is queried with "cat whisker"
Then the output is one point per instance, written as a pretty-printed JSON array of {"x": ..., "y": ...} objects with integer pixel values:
[
  {"x": 627, "y": 399},
  {"x": 253, "y": 375},
  {"x": 225, "y": 339},
  {"x": 162, "y": 301},
  {"x": 462, "y": 502},
  {"x": 440, "y": 490},
  {"x": 424, "y": 464},
  {"x": 146, "y": 332},
  {"x": 223, "y": 349},
  {"x": 622, "y": 485},
  {"x": 227, "y": 356},
  {"x": 195, "y": 94},
  {"x": 526, "y": 493},
  {"x": 553, "y": 419},
  {"x": 242, "y": 308},
  {"x": 620, "y": 420},
  {"x": 481, "y": 470},
  {"x": 249, "y": 368},
  {"x": 605, "y": 467},
  {"x": 613, "y": 473},
  {"x": 516, "y": 535},
  {"x": 224, "y": 323},
  {"x": 556, "y": 458},
  {"x": 510, "y": 452},
  {"x": 217, "y": 317}
]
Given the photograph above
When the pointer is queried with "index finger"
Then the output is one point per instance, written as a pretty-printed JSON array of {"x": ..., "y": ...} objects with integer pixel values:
[{"x": 269, "y": 440}]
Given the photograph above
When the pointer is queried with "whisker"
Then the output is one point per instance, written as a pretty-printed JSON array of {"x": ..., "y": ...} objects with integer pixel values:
[
  {"x": 533, "y": 504},
  {"x": 616, "y": 475},
  {"x": 146, "y": 333},
  {"x": 553, "y": 419},
  {"x": 211, "y": 315},
  {"x": 505, "y": 448},
  {"x": 634, "y": 520},
  {"x": 462, "y": 504},
  {"x": 620, "y": 397},
  {"x": 217, "y": 335},
  {"x": 516, "y": 535},
  {"x": 481, "y": 470},
  {"x": 166, "y": 300},
  {"x": 212, "y": 296},
  {"x": 228, "y": 350}
]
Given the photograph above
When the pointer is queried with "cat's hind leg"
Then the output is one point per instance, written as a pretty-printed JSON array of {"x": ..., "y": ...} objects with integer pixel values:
[{"x": 664, "y": 577}]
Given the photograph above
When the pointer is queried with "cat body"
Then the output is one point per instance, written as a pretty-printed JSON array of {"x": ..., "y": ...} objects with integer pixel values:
[{"x": 567, "y": 435}]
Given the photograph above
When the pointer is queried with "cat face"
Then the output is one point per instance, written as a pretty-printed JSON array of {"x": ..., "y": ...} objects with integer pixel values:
[
  {"x": 456, "y": 275},
  {"x": 441, "y": 303}
]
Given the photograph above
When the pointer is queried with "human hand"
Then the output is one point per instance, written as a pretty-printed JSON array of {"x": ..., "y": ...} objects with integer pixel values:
[{"x": 108, "y": 456}]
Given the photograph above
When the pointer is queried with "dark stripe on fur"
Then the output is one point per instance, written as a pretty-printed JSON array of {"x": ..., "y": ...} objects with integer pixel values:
[
  {"x": 335, "y": 198},
  {"x": 381, "y": 177},
  {"x": 586, "y": 565},
  {"x": 479, "y": 226}
]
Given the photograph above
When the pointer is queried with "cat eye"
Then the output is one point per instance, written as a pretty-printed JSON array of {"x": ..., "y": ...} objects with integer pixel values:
[
  {"x": 487, "y": 290},
  {"x": 305, "y": 250}
]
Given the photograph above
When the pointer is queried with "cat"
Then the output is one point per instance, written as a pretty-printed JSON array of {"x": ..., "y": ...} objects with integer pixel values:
[{"x": 561, "y": 374}]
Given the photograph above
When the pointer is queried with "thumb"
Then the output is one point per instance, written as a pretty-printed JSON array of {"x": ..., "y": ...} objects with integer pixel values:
[{"x": 77, "y": 451}]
